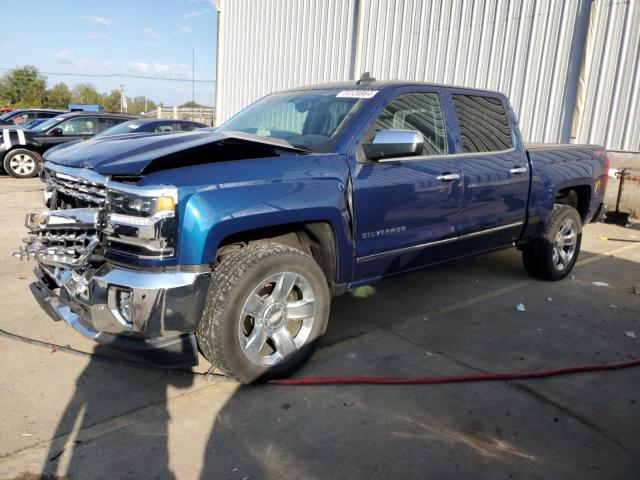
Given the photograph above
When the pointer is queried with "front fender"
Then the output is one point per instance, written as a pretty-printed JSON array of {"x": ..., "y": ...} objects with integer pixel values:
[{"x": 215, "y": 212}]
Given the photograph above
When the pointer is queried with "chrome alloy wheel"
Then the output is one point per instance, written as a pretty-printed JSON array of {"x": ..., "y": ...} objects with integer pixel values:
[
  {"x": 22, "y": 164},
  {"x": 277, "y": 318},
  {"x": 564, "y": 247}
]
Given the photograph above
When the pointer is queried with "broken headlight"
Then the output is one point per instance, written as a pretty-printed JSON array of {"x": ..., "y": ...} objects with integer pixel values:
[{"x": 142, "y": 221}]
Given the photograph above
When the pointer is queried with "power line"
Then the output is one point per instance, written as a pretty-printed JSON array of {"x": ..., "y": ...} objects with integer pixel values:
[{"x": 117, "y": 75}]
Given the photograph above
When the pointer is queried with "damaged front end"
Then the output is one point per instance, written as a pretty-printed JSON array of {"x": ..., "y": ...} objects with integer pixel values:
[
  {"x": 62, "y": 238},
  {"x": 150, "y": 314}
]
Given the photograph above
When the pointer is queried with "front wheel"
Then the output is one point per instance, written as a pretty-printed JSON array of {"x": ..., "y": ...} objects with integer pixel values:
[
  {"x": 22, "y": 163},
  {"x": 267, "y": 307},
  {"x": 553, "y": 255}
]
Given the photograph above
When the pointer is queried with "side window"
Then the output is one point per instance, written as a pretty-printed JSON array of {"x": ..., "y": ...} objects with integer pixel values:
[
  {"x": 416, "y": 111},
  {"x": 164, "y": 128},
  {"x": 79, "y": 126},
  {"x": 105, "y": 123},
  {"x": 24, "y": 118},
  {"x": 484, "y": 124},
  {"x": 187, "y": 127}
]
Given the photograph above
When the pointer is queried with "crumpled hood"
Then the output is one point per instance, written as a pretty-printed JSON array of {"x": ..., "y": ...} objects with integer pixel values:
[{"x": 136, "y": 154}]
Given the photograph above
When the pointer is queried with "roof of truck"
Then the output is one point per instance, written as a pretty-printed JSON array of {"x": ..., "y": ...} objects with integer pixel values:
[{"x": 384, "y": 84}]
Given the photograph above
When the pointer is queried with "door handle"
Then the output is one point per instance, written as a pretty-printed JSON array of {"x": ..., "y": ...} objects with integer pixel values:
[
  {"x": 519, "y": 170},
  {"x": 448, "y": 177}
]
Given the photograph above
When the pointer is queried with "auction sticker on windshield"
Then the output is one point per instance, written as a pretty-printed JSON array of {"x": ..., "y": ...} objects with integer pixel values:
[{"x": 356, "y": 93}]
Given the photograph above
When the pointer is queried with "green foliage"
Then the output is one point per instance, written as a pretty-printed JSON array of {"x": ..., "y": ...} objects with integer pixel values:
[
  {"x": 59, "y": 96},
  {"x": 112, "y": 101},
  {"x": 23, "y": 87},
  {"x": 26, "y": 88},
  {"x": 191, "y": 104},
  {"x": 137, "y": 105},
  {"x": 86, "y": 94}
]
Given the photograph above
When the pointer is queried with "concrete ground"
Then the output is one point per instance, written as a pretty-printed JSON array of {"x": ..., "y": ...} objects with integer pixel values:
[{"x": 83, "y": 416}]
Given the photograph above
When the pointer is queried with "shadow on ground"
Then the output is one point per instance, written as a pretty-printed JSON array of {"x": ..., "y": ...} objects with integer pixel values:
[{"x": 451, "y": 320}]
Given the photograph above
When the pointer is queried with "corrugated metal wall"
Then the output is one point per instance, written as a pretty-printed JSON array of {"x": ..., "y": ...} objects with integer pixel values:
[
  {"x": 608, "y": 110},
  {"x": 569, "y": 67},
  {"x": 270, "y": 45},
  {"x": 522, "y": 48}
]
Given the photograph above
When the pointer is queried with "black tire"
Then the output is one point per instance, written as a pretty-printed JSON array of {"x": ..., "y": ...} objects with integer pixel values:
[
  {"x": 539, "y": 257},
  {"x": 233, "y": 281},
  {"x": 19, "y": 169}
]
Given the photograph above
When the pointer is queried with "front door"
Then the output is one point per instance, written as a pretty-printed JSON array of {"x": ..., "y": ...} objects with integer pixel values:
[
  {"x": 78, "y": 128},
  {"x": 406, "y": 208}
]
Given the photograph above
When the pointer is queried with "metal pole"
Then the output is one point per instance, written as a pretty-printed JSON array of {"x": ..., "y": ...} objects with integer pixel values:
[
  {"x": 193, "y": 75},
  {"x": 620, "y": 188}
]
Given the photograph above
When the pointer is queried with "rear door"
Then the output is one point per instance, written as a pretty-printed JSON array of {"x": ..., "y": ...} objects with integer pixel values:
[
  {"x": 406, "y": 208},
  {"x": 495, "y": 172}
]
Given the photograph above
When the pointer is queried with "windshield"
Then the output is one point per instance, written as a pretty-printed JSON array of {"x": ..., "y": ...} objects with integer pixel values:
[
  {"x": 126, "y": 127},
  {"x": 33, "y": 123},
  {"x": 310, "y": 119},
  {"x": 8, "y": 115},
  {"x": 48, "y": 123}
]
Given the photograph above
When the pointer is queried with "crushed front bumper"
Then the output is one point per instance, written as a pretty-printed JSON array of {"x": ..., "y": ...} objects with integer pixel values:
[{"x": 148, "y": 315}]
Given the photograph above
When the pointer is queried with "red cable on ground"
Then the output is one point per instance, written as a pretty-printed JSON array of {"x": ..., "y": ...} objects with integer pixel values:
[{"x": 456, "y": 378}]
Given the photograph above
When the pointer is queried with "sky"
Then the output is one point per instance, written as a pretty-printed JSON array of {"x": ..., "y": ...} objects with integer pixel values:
[{"x": 115, "y": 37}]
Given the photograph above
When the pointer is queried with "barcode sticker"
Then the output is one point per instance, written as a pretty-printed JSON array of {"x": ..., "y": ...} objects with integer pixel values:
[{"x": 356, "y": 93}]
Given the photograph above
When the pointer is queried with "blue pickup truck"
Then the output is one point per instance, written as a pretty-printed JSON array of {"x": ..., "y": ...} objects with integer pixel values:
[{"x": 232, "y": 241}]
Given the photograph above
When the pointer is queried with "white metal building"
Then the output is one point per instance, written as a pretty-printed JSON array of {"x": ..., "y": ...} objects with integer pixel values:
[{"x": 570, "y": 67}]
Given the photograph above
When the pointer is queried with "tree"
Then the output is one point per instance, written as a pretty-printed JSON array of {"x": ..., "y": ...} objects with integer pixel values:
[
  {"x": 59, "y": 96},
  {"x": 23, "y": 87},
  {"x": 190, "y": 104},
  {"x": 140, "y": 104},
  {"x": 86, "y": 94},
  {"x": 112, "y": 101}
]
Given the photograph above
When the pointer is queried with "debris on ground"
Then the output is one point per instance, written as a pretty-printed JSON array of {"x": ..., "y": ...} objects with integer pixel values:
[
  {"x": 521, "y": 308},
  {"x": 636, "y": 289},
  {"x": 613, "y": 305},
  {"x": 549, "y": 299},
  {"x": 601, "y": 284},
  {"x": 630, "y": 334}
]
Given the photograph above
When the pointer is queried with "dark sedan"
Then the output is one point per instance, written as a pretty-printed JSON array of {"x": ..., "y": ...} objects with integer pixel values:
[
  {"x": 152, "y": 125},
  {"x": 24, "y": 116},
  {"x": 21, "y": 150}
]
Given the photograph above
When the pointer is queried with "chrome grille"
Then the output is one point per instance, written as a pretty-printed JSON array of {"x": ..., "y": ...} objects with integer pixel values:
[
  {"x": 93, "y": 193},
  {"x": 68, "y": 248}
]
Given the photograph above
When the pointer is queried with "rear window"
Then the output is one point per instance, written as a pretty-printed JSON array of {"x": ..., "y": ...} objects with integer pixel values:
[{"x": 484, "y": 125}]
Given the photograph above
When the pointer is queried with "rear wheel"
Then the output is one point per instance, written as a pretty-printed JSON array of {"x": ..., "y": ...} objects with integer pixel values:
[
  {"x": 553, "y": 255},
  {"x": 267, "y": 306},
  {"x": 22, "y": 163}
]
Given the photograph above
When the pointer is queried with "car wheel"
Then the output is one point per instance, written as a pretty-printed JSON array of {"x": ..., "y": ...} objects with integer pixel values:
[
  {"x": 266, "y": 309},
  {"x": 22, "y": 163},
  {"x": 552, "y": 256}
]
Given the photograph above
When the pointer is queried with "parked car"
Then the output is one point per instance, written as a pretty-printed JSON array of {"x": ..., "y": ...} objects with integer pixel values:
[
  {"x": 235, "y": 240},
  {"x": 21, "y": 150},
  {"x": 33, "y": 123},
  {"x": 151, "y": 125},
  {"x": 23, "y": 116}
]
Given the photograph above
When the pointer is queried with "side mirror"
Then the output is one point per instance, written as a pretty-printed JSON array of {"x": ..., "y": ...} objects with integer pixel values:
[
  {"x": 56, "y": 132},
  {"x": 394, "y": 143}
]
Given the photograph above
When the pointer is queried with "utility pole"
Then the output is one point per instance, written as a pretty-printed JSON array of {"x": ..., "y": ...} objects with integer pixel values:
[
  {"x": 193, "y": 76},
  {"x": 121, "y": 98}
]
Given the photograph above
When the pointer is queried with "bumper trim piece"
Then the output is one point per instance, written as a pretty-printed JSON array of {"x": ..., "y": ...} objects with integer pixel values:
[{"x": 180, "y": 351}]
